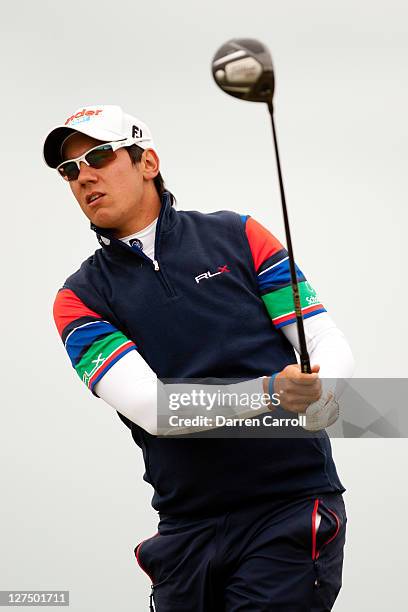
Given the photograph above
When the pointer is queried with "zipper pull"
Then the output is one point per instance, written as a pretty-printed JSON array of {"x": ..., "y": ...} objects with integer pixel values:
[
  {"x": 151, "y": 609},
  {"x": 156, "y": 265}
]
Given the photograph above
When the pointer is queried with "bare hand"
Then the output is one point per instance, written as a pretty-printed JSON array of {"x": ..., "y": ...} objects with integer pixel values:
[{"x": 297, "y": 390}]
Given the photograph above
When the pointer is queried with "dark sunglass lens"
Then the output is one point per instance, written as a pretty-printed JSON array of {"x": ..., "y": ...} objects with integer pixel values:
[
  {"x": 69, "y": 171},
  {"x": 100, "y": 156}
]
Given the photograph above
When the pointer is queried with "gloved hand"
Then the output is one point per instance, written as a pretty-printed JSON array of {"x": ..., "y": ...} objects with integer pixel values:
[{"x": 323, "y": 413}]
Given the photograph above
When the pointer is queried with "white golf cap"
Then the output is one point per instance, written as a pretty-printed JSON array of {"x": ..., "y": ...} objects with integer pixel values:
[{"x": 103, "y": 122}]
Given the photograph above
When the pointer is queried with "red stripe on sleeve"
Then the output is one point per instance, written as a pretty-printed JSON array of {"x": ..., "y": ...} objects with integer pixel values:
[
  {"x": 106, "y": 363},
  {"x": 263, "y": 244},
  {"x": 68, "y": 307}
]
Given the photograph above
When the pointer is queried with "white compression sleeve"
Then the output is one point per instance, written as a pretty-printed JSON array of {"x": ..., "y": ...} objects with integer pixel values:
[
  {"x": 131, "y": 387},
  {"x": 327, "y": 347}
]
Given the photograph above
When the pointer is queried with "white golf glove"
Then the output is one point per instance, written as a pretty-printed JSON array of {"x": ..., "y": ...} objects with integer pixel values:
[{"x": 323, "y": 413}]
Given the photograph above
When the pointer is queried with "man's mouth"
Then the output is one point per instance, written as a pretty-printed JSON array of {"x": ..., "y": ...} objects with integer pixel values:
[{"x": 93, "y": 197}]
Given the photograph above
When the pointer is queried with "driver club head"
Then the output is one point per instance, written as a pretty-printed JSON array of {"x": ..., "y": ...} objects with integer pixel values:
[{"x": 243, "y": 68}]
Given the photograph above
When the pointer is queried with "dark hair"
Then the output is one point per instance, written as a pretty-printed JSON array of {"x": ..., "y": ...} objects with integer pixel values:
[{"x": 135, "y": 154}]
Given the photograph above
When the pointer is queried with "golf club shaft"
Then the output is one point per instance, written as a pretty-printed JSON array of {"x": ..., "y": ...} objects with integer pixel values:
[{"x": 304, "y": 355}]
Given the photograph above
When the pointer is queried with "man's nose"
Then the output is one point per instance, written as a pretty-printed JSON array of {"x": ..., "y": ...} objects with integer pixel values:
[{"x": 86, "y": 173}]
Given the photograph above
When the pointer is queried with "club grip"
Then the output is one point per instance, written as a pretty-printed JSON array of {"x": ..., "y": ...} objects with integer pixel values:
[{"x": 305, "y": 365}]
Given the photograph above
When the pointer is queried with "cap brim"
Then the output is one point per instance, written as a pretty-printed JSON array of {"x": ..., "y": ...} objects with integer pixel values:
[{"x": 54, "y": 140}]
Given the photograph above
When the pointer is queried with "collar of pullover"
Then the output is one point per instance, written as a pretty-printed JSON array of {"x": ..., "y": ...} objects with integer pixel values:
[{"x": 166, "y": 221}]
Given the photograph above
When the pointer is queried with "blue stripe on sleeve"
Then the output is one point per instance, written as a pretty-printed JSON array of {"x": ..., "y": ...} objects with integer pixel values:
[
  {"x": 82, "y": 337},
  {"x": 278, "y": 277}
]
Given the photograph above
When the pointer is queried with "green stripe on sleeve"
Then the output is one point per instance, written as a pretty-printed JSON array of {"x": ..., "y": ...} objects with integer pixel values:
[
  {"x": 280, "y": 302},
  {"x": 97, "y": 353}
]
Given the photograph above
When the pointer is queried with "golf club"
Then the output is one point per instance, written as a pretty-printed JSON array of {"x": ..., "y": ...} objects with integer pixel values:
[{"x": 242, "y": 67}]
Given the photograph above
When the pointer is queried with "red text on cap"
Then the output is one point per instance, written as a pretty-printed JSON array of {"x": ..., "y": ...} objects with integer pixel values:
[{"x": 82, "y": 113}]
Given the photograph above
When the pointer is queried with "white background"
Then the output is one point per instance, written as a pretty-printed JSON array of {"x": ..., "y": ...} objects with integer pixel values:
[{"x": 73, "y": 501}]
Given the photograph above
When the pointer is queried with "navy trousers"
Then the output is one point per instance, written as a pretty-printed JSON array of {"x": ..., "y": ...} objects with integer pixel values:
[{"x": 284, "y": 556}]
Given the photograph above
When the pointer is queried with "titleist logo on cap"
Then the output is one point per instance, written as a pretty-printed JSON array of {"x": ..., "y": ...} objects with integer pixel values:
[{"x": 82, "y": 113}]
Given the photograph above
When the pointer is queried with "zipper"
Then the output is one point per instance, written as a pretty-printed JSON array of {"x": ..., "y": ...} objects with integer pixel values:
[
  {"x": 152, "y": 262},
  {"x": 156, "y": 267},
  {"x": 314, "y": 531},
  {"x": 169, "y": 289},
  {"x": 151, "y": 609},
  {"x": 315, "y": 554}
]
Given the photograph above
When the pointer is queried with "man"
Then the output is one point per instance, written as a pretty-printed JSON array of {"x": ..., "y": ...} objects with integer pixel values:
[{"x": 245, "y": 524}]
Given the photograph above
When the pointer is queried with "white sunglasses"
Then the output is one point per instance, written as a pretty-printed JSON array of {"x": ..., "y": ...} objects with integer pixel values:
[{"x": 97, "y": 157}]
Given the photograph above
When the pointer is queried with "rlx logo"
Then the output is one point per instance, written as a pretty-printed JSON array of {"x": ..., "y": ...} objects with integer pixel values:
[{"x": 221, "y": 270}]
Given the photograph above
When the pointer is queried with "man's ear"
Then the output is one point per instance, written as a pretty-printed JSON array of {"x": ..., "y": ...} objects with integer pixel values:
[{"x": 151, "y": 164}]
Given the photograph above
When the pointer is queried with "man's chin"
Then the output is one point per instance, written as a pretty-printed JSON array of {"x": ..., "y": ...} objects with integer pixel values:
[{"x": 103, "y": 219}]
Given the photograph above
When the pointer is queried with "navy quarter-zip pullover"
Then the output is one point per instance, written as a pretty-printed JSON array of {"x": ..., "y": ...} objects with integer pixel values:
[{"x": 209, "y": 306}]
